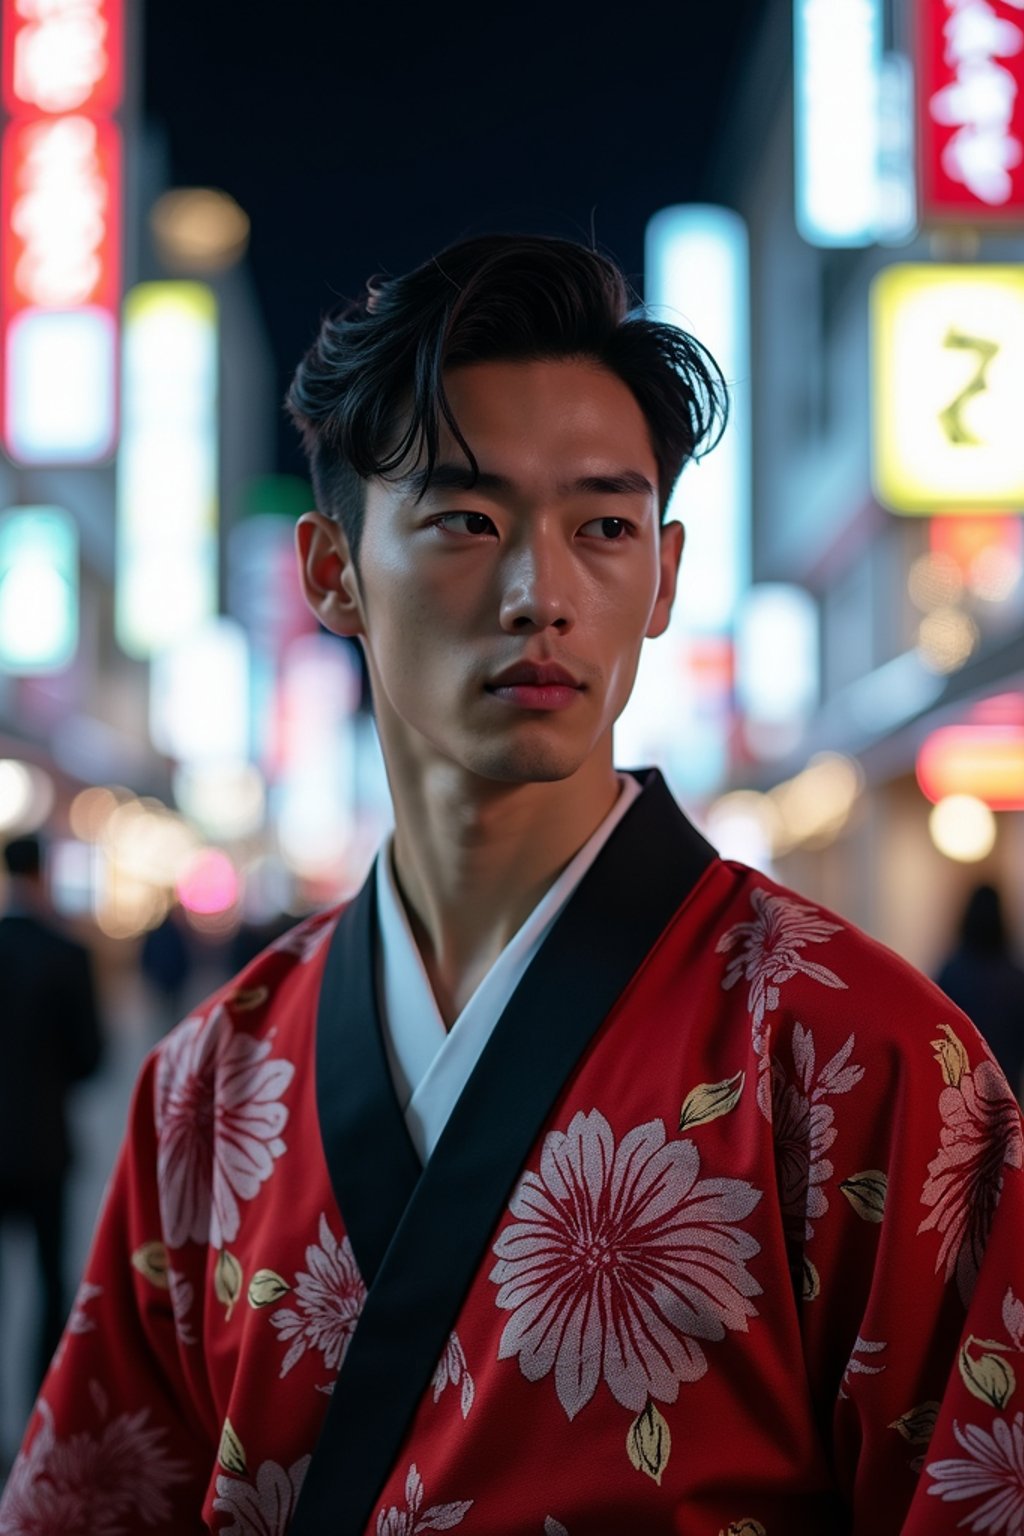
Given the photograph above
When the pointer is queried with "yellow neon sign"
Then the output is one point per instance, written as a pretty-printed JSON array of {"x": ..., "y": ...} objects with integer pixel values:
[{"x": 948, "y": 381}]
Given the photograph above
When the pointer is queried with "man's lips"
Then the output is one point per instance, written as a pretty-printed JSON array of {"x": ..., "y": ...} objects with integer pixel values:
[
  {"x": 534, "y": 674},
  {"x": 536, "y": 686}
]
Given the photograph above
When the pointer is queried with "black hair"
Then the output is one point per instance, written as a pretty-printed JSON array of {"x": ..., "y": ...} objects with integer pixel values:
[
  {"x": 23, "y": 855},
  {"x": 494, "y": 297}
]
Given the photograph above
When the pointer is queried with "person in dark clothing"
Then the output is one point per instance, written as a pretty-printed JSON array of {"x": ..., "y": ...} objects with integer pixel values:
[
  {"x": 982, "y": 978},
  {"x": 49, "y": 1038},
  {"x": 166, "y": 963}
]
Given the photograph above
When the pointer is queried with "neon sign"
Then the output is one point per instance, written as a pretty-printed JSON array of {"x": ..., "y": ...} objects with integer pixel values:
[
  {"x": 948, "y": 366},
  {"x": 837, "y": 71},
  {"x": 971, "y": 109},
  {"x": 983, "y": 757},
  {"x": 60, "y": 212}
]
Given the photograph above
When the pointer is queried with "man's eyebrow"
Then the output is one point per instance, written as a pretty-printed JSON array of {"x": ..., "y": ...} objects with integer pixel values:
[{"x": 459, "y": 477}]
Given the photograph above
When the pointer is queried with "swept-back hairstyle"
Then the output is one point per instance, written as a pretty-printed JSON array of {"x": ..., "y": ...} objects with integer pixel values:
[{"x": 370, "y": 390}]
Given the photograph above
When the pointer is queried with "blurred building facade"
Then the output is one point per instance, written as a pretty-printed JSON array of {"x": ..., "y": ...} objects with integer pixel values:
[{"x": 921, "y": 617}]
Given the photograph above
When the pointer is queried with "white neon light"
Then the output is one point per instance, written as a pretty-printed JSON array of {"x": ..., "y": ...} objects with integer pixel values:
[
  {"x": 60, "y": 54},
  {"x": 980, "y": 100},
  {"x": 38, "y": 589},
  {"x": 316, "y": 800},
  {"x": 199, "y": 696},
  {"x": 777, "y": 681},
  {"x": 679, "y": 715},
  {"x": 837, "y": 67},
  {"x": 60, "y": 375},
  {"x": 167, "y": 467},
  {"x": 697, "y": 277}
]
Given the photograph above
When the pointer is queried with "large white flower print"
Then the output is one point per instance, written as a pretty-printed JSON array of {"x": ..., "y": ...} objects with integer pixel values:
[
  {"x": 219, "y": 1121},
  {"x": 992, "y": 1470},
  {"x": 265, "y": 1507},
  {"x": 621, "y": 1263},
  {"x": 112, "y": 1483},
  {"x": 330, "y": 1295},
  {"x": 414, "y": 1518},
  {"x": 769, "y": 953}
]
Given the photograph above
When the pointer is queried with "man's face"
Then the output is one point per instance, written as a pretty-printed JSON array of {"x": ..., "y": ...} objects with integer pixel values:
[{"x": 554, "y": 557}]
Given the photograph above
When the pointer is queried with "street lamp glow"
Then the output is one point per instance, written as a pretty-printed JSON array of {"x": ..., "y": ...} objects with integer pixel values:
[{"x": 962, "y": 828}]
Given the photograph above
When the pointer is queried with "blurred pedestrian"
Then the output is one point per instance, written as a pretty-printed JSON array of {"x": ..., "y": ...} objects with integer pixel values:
[
  {"x": 166, "y": 961},
  {"x": 49, "y": 1039},
  {"x": 982, "y": 977}
]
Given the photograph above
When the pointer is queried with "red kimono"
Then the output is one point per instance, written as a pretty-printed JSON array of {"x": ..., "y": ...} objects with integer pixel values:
[{"x": 723, "y": 1236}]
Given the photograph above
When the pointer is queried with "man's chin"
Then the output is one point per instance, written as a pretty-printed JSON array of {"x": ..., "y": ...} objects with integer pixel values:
[{"x": 524, "y": 763}]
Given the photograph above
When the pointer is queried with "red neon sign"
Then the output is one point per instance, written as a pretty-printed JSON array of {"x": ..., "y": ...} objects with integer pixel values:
[
  {"x": 62, "y": 56},
  {"x": 60, "y": 227},
  {"x": 60, "y": 204},
  {"x": 983, "y": 757},
  {"x": 970, "y": 110}
]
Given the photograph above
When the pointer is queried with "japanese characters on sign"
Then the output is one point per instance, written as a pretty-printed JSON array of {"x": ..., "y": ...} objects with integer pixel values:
[
  {"x": 970, "y": 72},
  {"x": 948, "y": 364},
  {"x": 60, "y": 205}
]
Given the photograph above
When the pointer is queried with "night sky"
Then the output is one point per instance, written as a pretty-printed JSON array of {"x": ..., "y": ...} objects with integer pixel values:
[{"x": 360, "y": 139}]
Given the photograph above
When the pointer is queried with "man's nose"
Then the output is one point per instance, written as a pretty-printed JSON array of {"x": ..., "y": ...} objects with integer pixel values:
[{"x": 537, "y": 586}]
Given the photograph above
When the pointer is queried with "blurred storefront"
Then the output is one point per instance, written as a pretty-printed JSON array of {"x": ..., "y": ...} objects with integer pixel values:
[
  {"x": 876, "y": 155},
  {"x": 159, "y": 674}
]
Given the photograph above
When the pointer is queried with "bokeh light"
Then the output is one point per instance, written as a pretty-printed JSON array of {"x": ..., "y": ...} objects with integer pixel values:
[
  {"x": 199, "y": 229},
  {"x": 963, "y": 828},
  {"x": 934, "y": 581},
  {"x": 946, "y": 639}
]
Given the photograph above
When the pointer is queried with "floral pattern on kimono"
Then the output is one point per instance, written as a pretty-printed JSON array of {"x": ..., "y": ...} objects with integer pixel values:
[
  {"x": 980, "y": 1137},
  {"x": 102, "y": 1484},
  {"x": 621, "y": 1264},
  {"x": 330, "y": 1295},
  {"x": 804, "y": 1129},
  {"x": 219, "y": 1121},
  {"x": 414, "y": 1518},
  {"x": 770, "y": 953},
  {"x": 264, "y": 1506}
]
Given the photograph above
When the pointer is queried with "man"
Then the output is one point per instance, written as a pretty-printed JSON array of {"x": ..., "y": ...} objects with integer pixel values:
[
  {"x": 569, "y": 1179},
  {"x": 49, "y": 1039}
]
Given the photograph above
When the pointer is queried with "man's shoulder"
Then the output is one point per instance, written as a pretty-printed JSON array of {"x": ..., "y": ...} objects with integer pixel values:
[
  {"x": 274, "y": 993},
  {"x": 802, "y": 962}
]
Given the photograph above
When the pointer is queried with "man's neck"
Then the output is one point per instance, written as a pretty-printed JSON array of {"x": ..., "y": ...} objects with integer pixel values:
[{"x": 471, "y": 866}]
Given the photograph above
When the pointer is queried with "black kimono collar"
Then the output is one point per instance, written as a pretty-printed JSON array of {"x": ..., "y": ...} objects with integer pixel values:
[{"x": 419, "y": 1234}]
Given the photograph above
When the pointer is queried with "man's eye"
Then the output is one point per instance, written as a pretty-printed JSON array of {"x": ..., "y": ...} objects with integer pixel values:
[
  {"x": 471, "y": 522},
  {"x": 612, "y": 530}
]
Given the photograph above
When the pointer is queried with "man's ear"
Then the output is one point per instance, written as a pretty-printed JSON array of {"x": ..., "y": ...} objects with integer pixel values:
[
  {"x": 328, "y": 574},
  {"x": 669, "y": 555}
]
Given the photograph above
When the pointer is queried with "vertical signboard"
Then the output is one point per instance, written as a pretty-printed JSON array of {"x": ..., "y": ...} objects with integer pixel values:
[
  {"x": 38, "y": 590},
  {"x": 166, "y": 571},
  {"x": 948, "y": 366},
  {"x": 680, "y": 713},
  {"x": 60, "y": 228},
  {"x": 970, "y": 110},
  {"x": 837, "y": 67}
]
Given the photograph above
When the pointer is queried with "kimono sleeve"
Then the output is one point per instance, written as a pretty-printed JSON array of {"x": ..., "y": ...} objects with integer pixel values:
[
  {"x": 120, "y": 1437},
  {"x": 916, "y": 1276}
]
